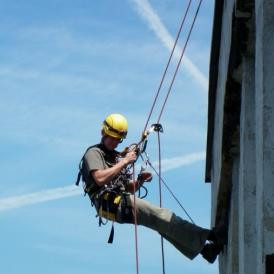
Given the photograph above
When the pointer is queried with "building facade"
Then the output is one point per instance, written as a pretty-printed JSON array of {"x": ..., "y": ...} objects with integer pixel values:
[{"x": 240, "y": 141}]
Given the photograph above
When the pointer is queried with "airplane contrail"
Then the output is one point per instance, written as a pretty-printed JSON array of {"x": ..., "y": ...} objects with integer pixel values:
[
  {"x": 146, "y": 11},
  {"x": 38, "y": 197},
  {"x": 68, "y": 191}
]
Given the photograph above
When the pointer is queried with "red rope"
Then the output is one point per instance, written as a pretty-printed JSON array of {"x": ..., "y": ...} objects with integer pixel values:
[
  {"x": 180, "y": 60},
  {"x": 168, "y": 63},
  {"x": 173, "y": 79},
  {"x": 159, "y": 117},
  {"x": 135, "y": 223}
]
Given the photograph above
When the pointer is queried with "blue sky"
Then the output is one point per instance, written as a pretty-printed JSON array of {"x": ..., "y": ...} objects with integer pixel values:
[{"x": 65, "y": 65}]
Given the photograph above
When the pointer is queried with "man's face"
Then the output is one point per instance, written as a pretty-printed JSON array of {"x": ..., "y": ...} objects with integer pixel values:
[{"x": 110, "y": 142}]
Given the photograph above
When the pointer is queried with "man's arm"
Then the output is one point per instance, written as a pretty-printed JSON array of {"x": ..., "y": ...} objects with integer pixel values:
[{"x": 104, "y": 176}]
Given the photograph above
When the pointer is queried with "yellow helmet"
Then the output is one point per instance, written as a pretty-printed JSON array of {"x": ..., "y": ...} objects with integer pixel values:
[{"x": 115, "y": 125}]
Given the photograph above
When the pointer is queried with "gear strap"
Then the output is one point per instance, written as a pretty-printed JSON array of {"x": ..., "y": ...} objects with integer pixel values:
[{"x": 111, "y": 234}]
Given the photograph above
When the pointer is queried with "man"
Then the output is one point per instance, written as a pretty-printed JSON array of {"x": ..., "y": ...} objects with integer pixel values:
[{"x": 110, "y": 188}]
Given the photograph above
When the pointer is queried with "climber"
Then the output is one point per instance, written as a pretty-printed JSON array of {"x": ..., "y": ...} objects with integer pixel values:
[{"x": 110, "y": 188}]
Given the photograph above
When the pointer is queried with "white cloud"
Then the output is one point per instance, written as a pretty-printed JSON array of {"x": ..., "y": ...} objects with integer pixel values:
[
  {"x": 68, "y": 191},
  {"x": 38, "y": 197},
  {"x": 176, "y": 162},
  {"x": 146, "y": 11}
]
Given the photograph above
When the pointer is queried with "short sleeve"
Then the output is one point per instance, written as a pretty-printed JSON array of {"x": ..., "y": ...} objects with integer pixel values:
[{"x": 94, "y": 160}]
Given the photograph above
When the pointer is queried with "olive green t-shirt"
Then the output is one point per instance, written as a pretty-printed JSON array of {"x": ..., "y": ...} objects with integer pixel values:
[{"x": 97, "y": 157}]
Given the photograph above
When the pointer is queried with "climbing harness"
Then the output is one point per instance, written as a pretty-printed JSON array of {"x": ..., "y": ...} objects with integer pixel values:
[{"x": 109, "y": 198}]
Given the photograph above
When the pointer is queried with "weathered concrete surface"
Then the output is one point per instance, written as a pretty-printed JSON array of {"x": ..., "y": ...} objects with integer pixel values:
[
  {"x": 264, "y": 129},
  {"x": 229, "y": 259},
  {"x": 242, "y": 168},
  {"x": 219, "y": 111},
  {"x": 247, "y": 172},
  {"x": 233, "y": 235}
]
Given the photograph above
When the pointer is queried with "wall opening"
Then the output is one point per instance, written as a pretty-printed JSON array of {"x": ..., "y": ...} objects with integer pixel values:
[{"x": 269, "y": 266}]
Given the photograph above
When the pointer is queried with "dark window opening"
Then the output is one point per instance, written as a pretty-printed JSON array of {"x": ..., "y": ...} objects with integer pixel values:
[{"x": 269, "y": 267}]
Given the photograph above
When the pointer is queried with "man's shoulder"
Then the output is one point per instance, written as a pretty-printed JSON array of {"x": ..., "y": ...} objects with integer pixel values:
[
  {"x": 102, "y": 149},
  {"x": 93, "y": 159},
  {"x": 94, "y": 148},
  {"x": 94, "y": 154}
]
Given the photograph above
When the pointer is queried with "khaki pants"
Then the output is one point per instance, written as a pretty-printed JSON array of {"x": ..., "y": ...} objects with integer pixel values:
[{"x": 188, "y": 238}]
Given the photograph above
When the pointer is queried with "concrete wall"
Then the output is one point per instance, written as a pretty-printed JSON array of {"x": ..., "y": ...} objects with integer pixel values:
[
  {"x": 247, "y": 172},
  {"x": 251, "y": 210},
  {"x": 229, "y": 260},
  {"x": 264, "y": 100},
  {"x": 221, "y": 86}
]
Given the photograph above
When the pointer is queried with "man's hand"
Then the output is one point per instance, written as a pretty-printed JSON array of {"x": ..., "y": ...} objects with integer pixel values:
[
  {"x": 130, "y": 158},
  {"x": 145, "y": 176}
]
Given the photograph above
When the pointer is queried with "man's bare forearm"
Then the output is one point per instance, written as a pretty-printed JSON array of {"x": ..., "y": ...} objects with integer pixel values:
[{"x": 104, "y": 176}]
